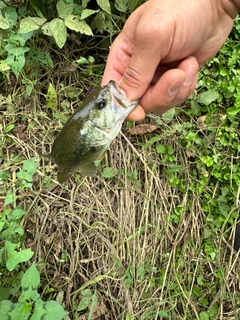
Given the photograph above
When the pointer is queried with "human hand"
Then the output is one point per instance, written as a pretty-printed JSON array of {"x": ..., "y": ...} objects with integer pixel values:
[{"x": 157, "y": 55}]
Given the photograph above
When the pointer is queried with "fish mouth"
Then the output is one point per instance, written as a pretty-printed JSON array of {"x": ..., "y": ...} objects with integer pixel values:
[{"x": 120, "y": 101}]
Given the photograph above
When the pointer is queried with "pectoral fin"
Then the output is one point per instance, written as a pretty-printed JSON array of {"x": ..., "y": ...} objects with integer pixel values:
[
  {"x": 63, "y": 176},
  {"x": 88, "y": 169}
]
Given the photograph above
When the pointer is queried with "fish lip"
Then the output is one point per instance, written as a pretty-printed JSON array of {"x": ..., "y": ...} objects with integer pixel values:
[{"x": 121, "y": 102}]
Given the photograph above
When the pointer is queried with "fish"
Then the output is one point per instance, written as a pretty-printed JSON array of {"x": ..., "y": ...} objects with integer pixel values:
[{"x": 89, "y": 131}]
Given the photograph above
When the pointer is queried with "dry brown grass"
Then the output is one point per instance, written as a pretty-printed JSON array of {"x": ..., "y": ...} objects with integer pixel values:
[{"x": 116, "y": 236}]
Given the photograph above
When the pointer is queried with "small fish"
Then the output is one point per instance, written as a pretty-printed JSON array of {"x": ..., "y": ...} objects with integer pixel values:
[{"x": 89, "y": 131}]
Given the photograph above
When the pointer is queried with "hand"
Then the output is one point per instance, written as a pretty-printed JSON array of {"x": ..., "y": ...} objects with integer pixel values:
[{"x": 157, "y": 55}]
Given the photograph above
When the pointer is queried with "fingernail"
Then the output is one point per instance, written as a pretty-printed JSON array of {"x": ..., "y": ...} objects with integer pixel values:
[
  {"x": 173, "y": 87},
  {"x": 190, "y": 73}
]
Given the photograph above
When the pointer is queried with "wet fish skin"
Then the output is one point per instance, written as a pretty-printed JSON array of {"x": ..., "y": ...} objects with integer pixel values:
[{"x": 89, "y": 131}]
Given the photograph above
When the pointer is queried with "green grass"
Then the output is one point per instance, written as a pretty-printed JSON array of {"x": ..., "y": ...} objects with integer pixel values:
[{"x": 152, "y": 236}]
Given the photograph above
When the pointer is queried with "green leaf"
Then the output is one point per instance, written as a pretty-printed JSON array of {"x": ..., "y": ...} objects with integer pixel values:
[
  {"x": 83, "y": 303},
  {"x": 86, "y": 293},
  {"x": 109, "y": 172},
  {"x": 104, "y": 5},
  {"x": 73, "y": 23},
  {"x": 46, "y": 29},
  {"x": 15, "y": 257},
  {"x": 30, "y": 24},
  {"x": 10, "y": 14},
  {"x": 9, "y": 198},
  {"x": 87, "y": 12},
  {"x": 50, "y": 310},
  {"x": 17, "y": 213},
  {"x": 100, "y": 21},
  {"x": 133, "y": 4},
  {"x": 9, "y": 127},
  {"x": 82, "y": 60},
  {"x": 233, "y": 111},
  {"x": 64, "y": 9},
  {"x": 121, "y": 5},
  {"x": 59, "y": 31},
  {"x": 163, "y": 314},
  {"x": 204, "y": 315},
  {"x": 51, "y": 97},
  {"x": 29, "y": 168},
  {"x": 169, "y": 115},
  {"x": 3, "y": 23},
  {"x": 29, "y": 283},
  {"x": 207, "y": 160},
  {"x": 85, "y": 3},
  {"x": 16, "y": 63},
  {"x": 161, "y": 149},
  {"x": 208, "y": 97},
  {"x": 6, "y": 306}
]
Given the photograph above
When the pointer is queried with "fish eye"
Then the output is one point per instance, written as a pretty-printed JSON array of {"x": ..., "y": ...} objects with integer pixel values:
[{"x": 101, "y": 104}]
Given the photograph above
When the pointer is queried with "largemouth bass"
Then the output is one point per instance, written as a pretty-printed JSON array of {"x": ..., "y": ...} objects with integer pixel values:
[{"x": 89, "y": 131}]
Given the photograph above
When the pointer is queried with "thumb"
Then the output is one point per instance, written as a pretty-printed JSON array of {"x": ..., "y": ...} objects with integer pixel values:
[{"x": 143, "y": 62}]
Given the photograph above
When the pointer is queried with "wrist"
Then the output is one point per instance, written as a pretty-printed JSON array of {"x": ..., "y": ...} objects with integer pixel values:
[{"x": 231, "y": 7}]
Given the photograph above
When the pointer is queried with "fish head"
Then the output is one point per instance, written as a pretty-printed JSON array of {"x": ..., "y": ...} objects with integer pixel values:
[{"x": 110, "y": 109}]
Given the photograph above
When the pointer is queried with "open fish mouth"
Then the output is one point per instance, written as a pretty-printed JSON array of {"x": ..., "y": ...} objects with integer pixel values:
[{"x": 121, "y": 103}]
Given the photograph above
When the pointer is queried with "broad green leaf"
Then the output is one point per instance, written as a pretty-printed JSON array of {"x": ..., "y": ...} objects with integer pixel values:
[
  {"x": 51, "y": 97},
  {"x": 3, "y": 23},
  {"x": 161, "y": 149},
  {"x": 6, "y": 306},
  {"x": 15, "y": 257},
  {"x": 46, "y": 29},
  {"x": 30, "y": 24},
  {"x": 85, "y": 3},
  {"x": 169, "y": 115},
  {"x": 109, "y": 172},
  {"x": 50, "y": 310},
  {"x": 2, "y": 223},
  {"x": 16, "y": 63},
  {"x": 204, "y": 315},
  {"x": 104, "y": 5},
  {"x": 64, "y": 9},
  {"x": 29, "y": 283},
  {"x": 87, "y": 12},
  {"x": 9, "y": 198},
  {"x": 208, "y": 97},
  {"x": 29, "y": 168},
  {"x": 39, "y": 21},
  {"x": 59, "y": 32},
  {"x": 133, "y": 4},
  {"x": 87, "y": 293},
  {"x": 82, "y": 60},
  {"x": 163, "y": 314},
  {"x": 233, "y": 111},
  {"x": 83, "y": 303},
  {"x": 100, "y": 21},
  {"x": 17, "y": 213},
  {"x": 207, "y": 160},
  {"x": 10, "y": 14},
  {"x": 20, "y": 311},
  {"x": 121, "y": 5},
  {"x": 73, "y": 23}
]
